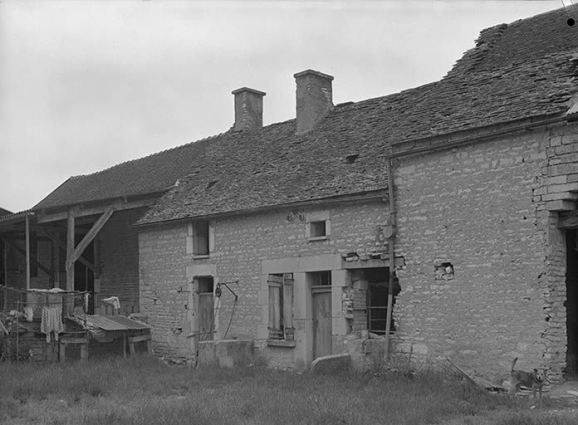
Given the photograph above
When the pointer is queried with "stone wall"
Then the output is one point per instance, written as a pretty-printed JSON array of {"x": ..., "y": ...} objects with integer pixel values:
[
  {"x": 482, "y": 270},
  {"x": 241, "y": 245},
  {"x": 483, "y": 210}
]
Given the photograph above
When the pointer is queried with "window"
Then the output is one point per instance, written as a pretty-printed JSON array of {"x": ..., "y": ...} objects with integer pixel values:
[
  {"x": 280, "y": 306},
  {"x": 199, "y": 238},
  {"x": 320, "y": 278},
  {"x": 318, "y": 229},
  {"x": 205, "y": 284},
  {"x": 318, "y": 225}
]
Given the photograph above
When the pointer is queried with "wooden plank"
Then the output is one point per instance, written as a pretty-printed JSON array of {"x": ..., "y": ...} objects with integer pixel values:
[
  {"x": 206, "y": 316},
  {"x": 275, "y": 310},
  {"x": 43, "y": 218},
  {"x": 322, "y": 324},
  {"x": 288, "y": 306},
  {"x": 139, "y": 338},
  {"x": 92, "y": 233},
  {"x": 70, "y": 233},
  {"x": 568, "y": 220},
  {"x": 73, "y": 340}
]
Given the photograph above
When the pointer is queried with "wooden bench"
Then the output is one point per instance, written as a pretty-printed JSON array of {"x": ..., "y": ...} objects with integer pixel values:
[
  {"x": 132, "y": 340},
  {"x": 67, "y": 340}
]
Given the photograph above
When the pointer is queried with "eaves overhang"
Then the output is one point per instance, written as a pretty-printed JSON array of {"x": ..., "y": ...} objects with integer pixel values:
[
  {"x": 375, "y": 195},
  {"x": 480, "y": 134}
]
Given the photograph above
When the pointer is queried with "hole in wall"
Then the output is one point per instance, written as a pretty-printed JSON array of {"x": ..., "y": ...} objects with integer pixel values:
[{"x": 444, "y": 271}]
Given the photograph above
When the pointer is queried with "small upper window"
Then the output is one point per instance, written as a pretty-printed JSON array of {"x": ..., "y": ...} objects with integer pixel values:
[
  {"x": 201, "y": 238},
  {"x": 318, "y": 229},
  {"x": 318, "y": 225}
]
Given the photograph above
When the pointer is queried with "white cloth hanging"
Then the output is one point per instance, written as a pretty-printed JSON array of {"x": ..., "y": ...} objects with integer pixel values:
[
  {"x": 114, "y": 301},
  {"x": 51, "y": 322}
]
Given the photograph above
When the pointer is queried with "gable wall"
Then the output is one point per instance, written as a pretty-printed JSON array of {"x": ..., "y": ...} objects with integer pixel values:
[
  {"x": 242, "y": 245},
  {"x": 474, "y": 207}
]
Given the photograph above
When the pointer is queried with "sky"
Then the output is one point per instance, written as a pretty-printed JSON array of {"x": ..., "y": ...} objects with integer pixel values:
[{"x": 85, "y": 85}]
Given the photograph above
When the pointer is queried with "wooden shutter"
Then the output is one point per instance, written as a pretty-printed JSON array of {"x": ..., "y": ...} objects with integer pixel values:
[
  {"x": 275, "y": 284},
  {"x": 288, "y": 306}
]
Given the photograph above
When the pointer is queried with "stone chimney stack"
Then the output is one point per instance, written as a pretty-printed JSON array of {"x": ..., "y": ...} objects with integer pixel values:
[
  {"x": 314, "y": 98},
  {"x": 248, "y": 109}
]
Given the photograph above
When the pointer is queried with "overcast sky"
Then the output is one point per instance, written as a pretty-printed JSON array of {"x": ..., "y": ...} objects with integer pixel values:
[{"x": 85, "y": 85}]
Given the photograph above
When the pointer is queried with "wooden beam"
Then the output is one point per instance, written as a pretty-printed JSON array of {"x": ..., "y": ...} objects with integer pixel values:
[
  {"x": 92, "y": 233},
  {"x": 70, "y": 233},
  {"x": 61, "y": 244},
  {"x": 84, "y": 212},
  {"x": 32, "y": 260},
  {"x": 568, "y": 220}
]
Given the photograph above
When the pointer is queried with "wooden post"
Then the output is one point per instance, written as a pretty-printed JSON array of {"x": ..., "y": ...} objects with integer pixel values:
[
  {"x": 56, "y": 263},
  {"x": 84, "y": 351},
  {"x": 70, "y": 251},
  {"x": 391, "y": 246},
  {"x": 27, "y": 252},
  {"x": 6, "y": 275}
]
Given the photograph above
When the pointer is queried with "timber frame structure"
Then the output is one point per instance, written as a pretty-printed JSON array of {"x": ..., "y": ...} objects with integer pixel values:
[{"x": 42, "y": 248}]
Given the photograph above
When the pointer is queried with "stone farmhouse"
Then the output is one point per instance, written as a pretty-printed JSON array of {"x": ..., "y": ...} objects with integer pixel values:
[{"x": 438, "y": 222}]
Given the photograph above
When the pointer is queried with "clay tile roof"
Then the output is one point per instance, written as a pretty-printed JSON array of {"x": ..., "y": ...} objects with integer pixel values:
[
  {"x": 516, "y": 71},
  {"x": 153, "y": 173}
]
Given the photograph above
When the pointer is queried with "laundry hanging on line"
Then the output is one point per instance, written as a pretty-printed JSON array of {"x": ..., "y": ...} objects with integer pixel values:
[{"x": 51, "y": 322}]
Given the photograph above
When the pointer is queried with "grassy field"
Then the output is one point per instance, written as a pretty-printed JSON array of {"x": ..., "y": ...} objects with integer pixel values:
[{"x": 142, "y": 390}]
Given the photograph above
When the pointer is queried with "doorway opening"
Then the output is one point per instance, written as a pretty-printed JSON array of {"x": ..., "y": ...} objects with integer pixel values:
[
  {"x": 320, "y": 284},
  {"x": 572, "y": 302},
  {"x": 206, "y": 323},
  {"x": 377, "y": 295}
]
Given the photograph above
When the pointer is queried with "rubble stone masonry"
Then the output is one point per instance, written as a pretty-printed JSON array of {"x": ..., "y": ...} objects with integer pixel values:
[
  {"x": 484, "y": 209},
  {"x": 241, "y": 244}
]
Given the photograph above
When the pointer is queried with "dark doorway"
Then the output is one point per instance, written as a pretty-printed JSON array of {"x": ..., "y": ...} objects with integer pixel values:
[
  {"x": 377, "y": 294},
  {"x": 83, "y": 276},
  {"x": 572, "y": 302}
]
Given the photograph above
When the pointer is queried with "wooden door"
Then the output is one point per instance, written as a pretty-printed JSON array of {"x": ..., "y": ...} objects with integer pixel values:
[
  {"x": 321, "y": 322},
  {"x": 206, "y": 316}
]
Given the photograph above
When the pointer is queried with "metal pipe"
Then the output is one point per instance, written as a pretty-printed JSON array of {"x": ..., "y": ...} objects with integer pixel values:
[
  {"x": 5, "y": 307},
  {"x": 392, "y": 223}
]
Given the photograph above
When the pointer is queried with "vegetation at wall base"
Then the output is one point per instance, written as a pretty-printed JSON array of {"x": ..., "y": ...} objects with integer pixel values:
[{"x": 143, "y": 390}]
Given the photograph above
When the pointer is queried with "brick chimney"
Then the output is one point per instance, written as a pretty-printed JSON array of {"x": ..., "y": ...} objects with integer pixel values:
[
  {"x": 248, "y": 109},
  {"x": 314, "y": 98}
]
